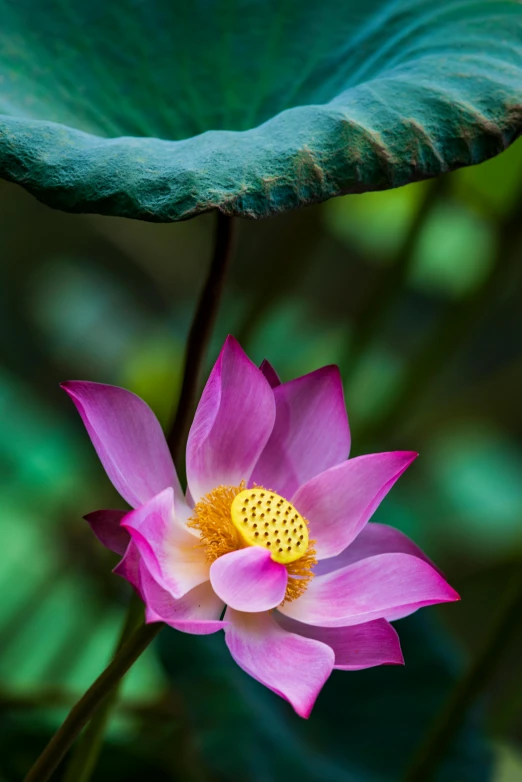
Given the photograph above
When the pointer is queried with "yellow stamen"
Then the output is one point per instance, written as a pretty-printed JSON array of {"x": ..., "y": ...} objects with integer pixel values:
[
  {"x": 300, "y": 574},
  {"x": 271, "y": 522},
  {"x": 212, "y": 518}
]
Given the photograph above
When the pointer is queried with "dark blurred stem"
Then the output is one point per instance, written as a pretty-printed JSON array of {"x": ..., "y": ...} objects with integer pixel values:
[
  {"x": 390, "y": 283},
  {"x": 473, "y": 683},
  {"x": 90, "y": 702},
  {"x": 451, "y": 332},
  {"x": 199, "y": 336},
  {"x": 96, "y": 697},
  {"x": 87, "y": 751},
  {"x": 283, "y": 270}
]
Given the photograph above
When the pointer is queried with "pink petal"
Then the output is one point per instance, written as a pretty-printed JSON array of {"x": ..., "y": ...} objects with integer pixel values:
[
  {"x": 232, "y": 424},
  {"x": 385, "y": 586},
  {"x": 128, "y": 440},
  {"x": 197, "y": 612},
  {"x": 361, "y": 646},
  {"x": 339, "y": 502},
  {"x": 269, "y": 372},
  {"x": 129, "y": 568},
  {"x": 249, "y": 579},
  {"x": 106, "y": 526},
  {"x": 310, "y": 434},
  {"x": 171, "y": 554},
  {"x": 373, "y": 539},
  {"x": 294, "y": 667}
]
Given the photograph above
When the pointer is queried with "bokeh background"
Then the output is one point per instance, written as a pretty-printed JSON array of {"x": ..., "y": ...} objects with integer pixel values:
[{"x": 417, "y": 294}]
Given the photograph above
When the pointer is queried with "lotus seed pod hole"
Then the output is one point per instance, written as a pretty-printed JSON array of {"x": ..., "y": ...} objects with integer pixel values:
[{"x": 264, "y": 518}]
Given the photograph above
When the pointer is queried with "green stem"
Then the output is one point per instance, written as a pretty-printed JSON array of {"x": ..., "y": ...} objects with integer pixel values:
[
  {"x": 87, "y": 751},
  {"x": 96, "y": 695},
  {"x": 199, "y": 336},
  {"x": 449, "y": 720}
]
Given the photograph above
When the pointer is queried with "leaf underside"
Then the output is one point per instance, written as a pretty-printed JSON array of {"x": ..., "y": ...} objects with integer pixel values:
[{"x": 161, "y": 111}]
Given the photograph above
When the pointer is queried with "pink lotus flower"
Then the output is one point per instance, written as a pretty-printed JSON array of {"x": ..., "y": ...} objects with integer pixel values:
[{"x": 271, "y": 542}]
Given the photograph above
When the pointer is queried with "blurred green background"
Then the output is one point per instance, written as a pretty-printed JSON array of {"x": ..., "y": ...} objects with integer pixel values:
[{"x": 416, "y": 293}]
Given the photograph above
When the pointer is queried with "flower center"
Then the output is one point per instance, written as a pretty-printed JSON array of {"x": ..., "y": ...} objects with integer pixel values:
[
  {"x": 264, "y": 518},
  {"x": 231, "y": 517}
]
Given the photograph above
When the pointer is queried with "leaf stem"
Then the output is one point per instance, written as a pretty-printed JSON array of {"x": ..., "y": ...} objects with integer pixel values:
[
  {"x": 199, "y": 336},
  {"x": 448, "y": 721},
  {"x": 126, "y": 656}
]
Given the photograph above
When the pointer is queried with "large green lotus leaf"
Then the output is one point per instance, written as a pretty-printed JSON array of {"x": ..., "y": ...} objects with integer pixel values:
[{"x": 161, "y": 110}]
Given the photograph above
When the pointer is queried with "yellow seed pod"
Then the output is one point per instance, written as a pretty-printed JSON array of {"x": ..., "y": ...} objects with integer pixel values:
[{"x": 264, "y": 518}]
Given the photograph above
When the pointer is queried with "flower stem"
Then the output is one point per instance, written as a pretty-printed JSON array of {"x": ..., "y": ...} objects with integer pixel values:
[
  {"x": 87, "y": 751},
  {"x": 199, "y": 336},
  {"x": 94, "y": 699},
  {"x": 449, "y": 720}
]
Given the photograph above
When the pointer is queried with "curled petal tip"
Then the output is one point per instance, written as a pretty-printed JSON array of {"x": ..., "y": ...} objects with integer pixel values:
[
  {"x": 311, "y": 432},
  {"x": 232, "y": 423},
  {"x": 65, "y": 385},
  {"x": 339, "y": 501},
  {"x": 69, "y": 386},
  {"x": 270, "y": 374},
  {"x": 231, "y": 342},
  {"x": 408, "y": 456},
  {"x": 127, "y": 437},
  {"x": 106, "y": 525},
  {"x": 294, "y": 667}
]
